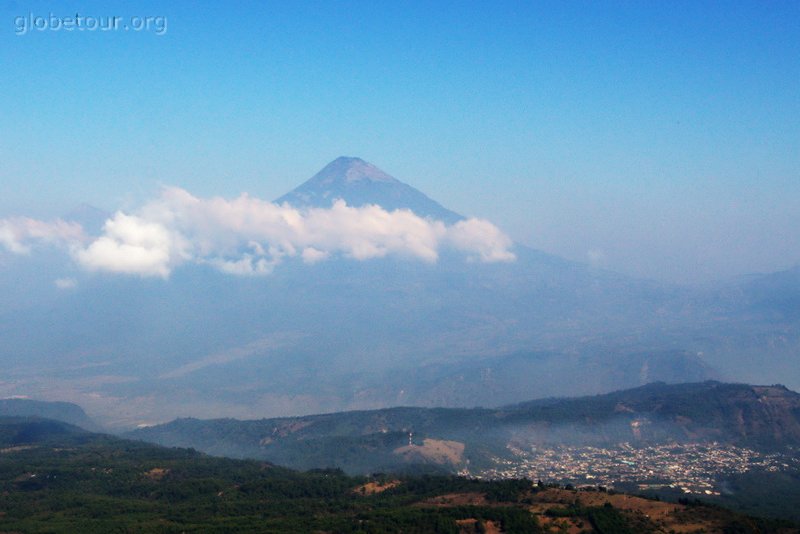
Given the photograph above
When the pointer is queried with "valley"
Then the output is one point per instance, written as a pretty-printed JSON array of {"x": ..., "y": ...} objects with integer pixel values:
[
  {"x": 733, "y": 445},
  {"x": 55, "y": 478},
  {"x": 675, "y": 441}
]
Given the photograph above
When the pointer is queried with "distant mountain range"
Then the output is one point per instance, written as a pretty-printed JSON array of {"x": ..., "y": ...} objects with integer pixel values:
[
  {"x": 343, "y": 334},
  {"x": 763, "y": 417},
  {"x": 66, "y": 412}
]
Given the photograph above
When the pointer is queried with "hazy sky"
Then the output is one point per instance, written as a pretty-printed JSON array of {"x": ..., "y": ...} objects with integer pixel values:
[{"x": 660, "y": 139}]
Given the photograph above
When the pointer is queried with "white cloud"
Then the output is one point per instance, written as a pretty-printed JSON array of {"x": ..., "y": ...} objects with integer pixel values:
[
  {"x": 66, "y": 283},
  {"x": 481, "y": 239},
  {"x": 311, "y": 255},
  {"x": 248, "y": 265},
  {"x": 249, "y": 236},
  {"x": 19, "y": 234},
  {"x": 133, "y": 245}
]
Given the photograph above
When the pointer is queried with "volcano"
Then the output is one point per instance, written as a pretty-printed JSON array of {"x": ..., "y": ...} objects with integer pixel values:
[{"x": 360, "y": 183}]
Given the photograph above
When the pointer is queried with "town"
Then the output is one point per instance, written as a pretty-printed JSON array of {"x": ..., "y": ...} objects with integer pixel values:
[{"x": 693, "y": 468}]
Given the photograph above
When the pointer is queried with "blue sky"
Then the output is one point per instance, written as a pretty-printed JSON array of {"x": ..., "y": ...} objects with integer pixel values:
[{"x": 657, "y": 139}]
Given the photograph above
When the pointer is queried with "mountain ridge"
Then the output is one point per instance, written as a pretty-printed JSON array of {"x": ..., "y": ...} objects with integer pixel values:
[
  {"x": 765, "y": 417},
  {"x": 66, "y": 412},
  {"x": 360, "y": 183}
]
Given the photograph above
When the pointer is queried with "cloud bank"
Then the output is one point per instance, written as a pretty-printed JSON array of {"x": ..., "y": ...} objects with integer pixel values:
[
  {"x": 19, "y": 234},
  {"x": 249, "y": 236}
]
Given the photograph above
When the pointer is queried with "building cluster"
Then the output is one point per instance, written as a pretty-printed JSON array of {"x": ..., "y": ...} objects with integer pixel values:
[{"x": 693, "y": 468}]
